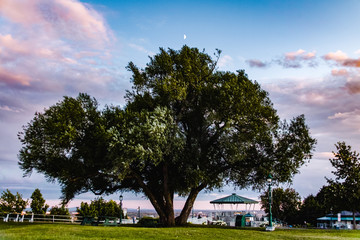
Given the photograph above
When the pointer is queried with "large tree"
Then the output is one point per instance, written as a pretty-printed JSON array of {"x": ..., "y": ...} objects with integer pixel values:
[
  {"x": 285, "y": 204},
  {"x": 312, "y": 208},
  {"x": 37, "y": 204},
  {"x": 12, "y": 203},
  {"x": 186, "y": 127},
  {"x": 345, "y": 188}
]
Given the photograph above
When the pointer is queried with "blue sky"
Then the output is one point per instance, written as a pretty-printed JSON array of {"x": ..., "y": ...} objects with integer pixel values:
[{"x": 304, "y": 53}]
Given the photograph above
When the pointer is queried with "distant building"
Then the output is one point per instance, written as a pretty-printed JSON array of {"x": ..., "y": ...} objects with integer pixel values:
[{"x": 342, "y": 220}]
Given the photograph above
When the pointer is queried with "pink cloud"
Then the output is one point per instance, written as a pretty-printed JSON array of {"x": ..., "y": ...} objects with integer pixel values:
[
  {"x": 353, "y": 86},
  {"x": 342, "y": 59},
  {"x": 288, "y": 60},
  {"x": 69, "y": 19},
  {"x": 337, "y": 56},
  {"x": 352, "y": 78},
  {"x": 300, "y": 55},
  {"x": 12, "y": 49},
  {"x": 9, "y": 109},
  {"x": 12, "y": 79},
  {"x": 297, "y": 59},
  {"x": 13, "y": 45},
  {"x": 351, "y": 63},
  {"x": 15, "y": 9},
  {"x": 49, "y": 44},
  {"x": 89, "y": 21},
  {"x": 293, "y": 55},
  {"x": 350, "y": 119},
  {"x": 340, "y": 72}
]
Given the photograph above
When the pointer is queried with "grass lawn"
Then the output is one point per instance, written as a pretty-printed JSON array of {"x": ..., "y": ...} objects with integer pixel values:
[{"x": 36, "y": 231}]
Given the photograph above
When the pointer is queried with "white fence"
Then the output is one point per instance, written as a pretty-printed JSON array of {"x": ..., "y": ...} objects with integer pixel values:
[{"x": 30, "y": 217}]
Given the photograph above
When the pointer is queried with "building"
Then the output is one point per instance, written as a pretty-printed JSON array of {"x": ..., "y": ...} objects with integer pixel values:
[{"x": 342, "y": 220}]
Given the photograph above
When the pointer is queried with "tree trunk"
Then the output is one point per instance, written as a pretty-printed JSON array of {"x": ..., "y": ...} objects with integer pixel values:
[
  {"x": 182, "y": 219},
  {"x": 354, "y": 220},
  {"x": 168, "y": 199},
  {"x": 162, "y": 202}
]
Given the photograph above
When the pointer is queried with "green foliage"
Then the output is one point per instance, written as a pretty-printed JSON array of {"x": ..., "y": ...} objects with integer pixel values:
[
  {"x": 68, "y": 143},
  {"x": 345, "y": 188},
  {"x": 12, "y": 203},
  {"x": 149, "y": 222},
  {"x": 37, "y": 204},
  {"x": 285, "y": 204},
  {"x": 312, "y": 208},
  {"x": 62, "y": 210},
  {"x": 87, "y": 210},
  {"x": 100, "y": 207},
  {"x": 186, "y": 127}
]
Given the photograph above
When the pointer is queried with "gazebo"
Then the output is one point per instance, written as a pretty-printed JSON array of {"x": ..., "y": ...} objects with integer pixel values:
[
  {"x": 234, "y": 217},
  {"x": 232, "y": 200}
]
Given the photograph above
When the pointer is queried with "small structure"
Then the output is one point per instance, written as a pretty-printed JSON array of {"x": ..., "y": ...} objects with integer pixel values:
[
  {"x": 244, "y": 220},
  {"x": 235, "y": 217},
  {"x": 343, "y": 220},
  {"x": 234, "y": 199}
]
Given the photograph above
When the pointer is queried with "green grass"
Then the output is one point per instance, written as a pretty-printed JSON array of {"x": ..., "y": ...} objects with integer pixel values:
[{"x": 37, "y": 231}]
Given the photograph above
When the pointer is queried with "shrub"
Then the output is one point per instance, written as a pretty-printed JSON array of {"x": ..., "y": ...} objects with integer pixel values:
[{"x": 149, "y": 222}]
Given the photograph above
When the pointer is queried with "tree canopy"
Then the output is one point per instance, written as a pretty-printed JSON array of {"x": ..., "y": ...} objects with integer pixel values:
[
  {"x": 100, "y": 207},
  {"x": 37, "y": 204},
  {"x": 186, "y": 127},
  {"x": 285, "y": 204},
  {"x": 312, "y": 208},
  {"x": 345, "y": 188},
  {"x": 12, "y": 203}
]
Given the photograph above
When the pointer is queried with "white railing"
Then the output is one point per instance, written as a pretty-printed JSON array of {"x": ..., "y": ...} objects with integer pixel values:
[
  {"x": 31, "y": 217},
  {"x": 16, "y": 217}
]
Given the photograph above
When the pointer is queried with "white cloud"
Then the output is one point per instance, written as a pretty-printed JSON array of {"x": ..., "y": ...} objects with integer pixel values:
[
  {"x": 349, "y": 119},
  {"x": 140, "y": 49},
  {"x": 225, "y": 61}
]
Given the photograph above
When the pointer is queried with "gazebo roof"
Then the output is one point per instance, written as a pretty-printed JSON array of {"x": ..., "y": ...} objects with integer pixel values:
[{"x": 234, "y": 199}]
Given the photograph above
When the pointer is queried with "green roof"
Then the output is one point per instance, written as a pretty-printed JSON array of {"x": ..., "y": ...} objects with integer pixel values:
[{"x": 234, "y": 199}]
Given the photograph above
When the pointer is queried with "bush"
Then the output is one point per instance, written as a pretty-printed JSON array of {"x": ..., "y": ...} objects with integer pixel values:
[
  {"x": 59, "y": 211},
  {"x": 99, "y": 207},
  {"x": 149, "y": 222}
]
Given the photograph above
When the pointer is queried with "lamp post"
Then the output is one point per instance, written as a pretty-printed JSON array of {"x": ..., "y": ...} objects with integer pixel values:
[
  {"x": 121, "y": 211},
  {"x": 270, "y": 227}
]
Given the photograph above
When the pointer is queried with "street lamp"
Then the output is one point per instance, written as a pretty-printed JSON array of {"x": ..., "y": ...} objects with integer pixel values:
[
  {"x": 270, "y": 227},
  {"x": 121, "y": 211}
]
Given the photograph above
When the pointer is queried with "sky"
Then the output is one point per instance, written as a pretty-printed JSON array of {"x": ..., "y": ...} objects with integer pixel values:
[{"x": 306, "y": 54}]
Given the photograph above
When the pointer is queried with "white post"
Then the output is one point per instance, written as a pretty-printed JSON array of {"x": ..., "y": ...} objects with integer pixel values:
[{"x": 7, "y": 218}]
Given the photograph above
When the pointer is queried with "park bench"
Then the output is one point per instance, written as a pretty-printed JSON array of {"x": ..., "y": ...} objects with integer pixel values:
[
  {"x": 110, "y": 221},
  {"x": 89, "y": 220}
]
